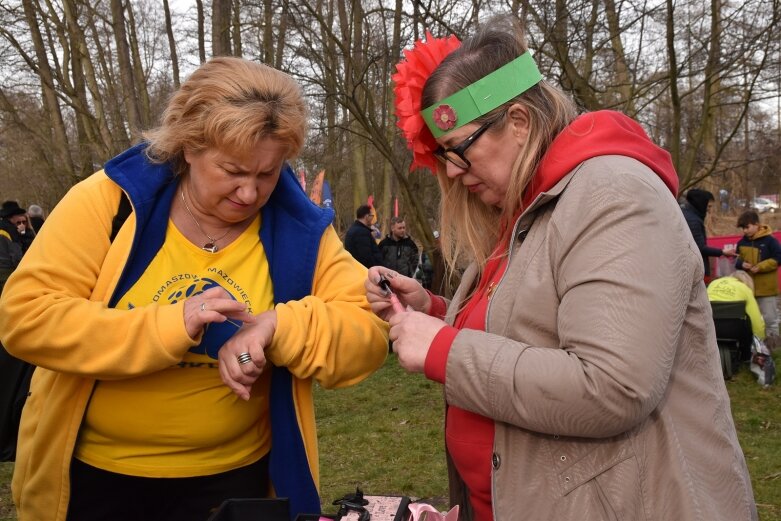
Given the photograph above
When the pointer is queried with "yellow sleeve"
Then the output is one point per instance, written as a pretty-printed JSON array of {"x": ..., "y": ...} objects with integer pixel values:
[
  {"x": 331, "y": 335},
  {"x": 753, "y": 312},
  {"x": 53, "y": 311}
]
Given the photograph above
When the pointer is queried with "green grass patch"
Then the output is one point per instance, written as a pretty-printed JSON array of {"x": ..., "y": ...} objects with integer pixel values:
[
  {"x": 6, "y": 505},
  {"x": 757, "y": 414},
  {"x": 385, "y": 435}
]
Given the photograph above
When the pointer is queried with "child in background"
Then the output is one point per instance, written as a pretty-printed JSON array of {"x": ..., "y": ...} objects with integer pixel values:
[{"x": 759, "y": 255}]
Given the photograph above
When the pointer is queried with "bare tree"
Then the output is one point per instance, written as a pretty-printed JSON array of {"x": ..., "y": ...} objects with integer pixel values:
[
  {"x": 221, "y": 27},
  {"x": 169, "y": 30}
]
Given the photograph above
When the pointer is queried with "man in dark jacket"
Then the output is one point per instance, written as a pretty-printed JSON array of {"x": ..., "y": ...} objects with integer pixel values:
[
  {"x": 399, "y": 251},
  {"x": 697, "y": 204},
  {"x": 359, "y": 241}
]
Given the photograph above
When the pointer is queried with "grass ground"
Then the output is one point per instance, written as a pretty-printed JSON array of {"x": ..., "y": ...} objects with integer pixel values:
[{"x": 385, "y": 435}]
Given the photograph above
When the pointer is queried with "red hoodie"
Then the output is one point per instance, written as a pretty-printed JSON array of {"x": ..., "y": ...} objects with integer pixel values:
[{"x": 469, "y": 436}]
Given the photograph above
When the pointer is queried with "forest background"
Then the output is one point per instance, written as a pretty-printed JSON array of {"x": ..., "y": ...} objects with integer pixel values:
[{"x": 80, "y": 80}]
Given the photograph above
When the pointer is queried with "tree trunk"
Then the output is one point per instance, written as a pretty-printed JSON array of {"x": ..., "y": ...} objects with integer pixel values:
[
  {"x": 281, "y": 35},
  {"x": 125, "y": 67},
  {"x": 119, "y": 138},
  {"x": 623, "y": 79},
  {"x": 201, "y": 31},
  {"x": 171, "y": 44},
  {"x": 139, "y": 77},
  {"x": 236, "y": 28},
  {"x": 674, "y": 144},
  {"x": 86, "y": 125},
  {"x": 268, "y": 32},
  {"x": 59, "y": 135},
  {"x": 221, "y": 27}
]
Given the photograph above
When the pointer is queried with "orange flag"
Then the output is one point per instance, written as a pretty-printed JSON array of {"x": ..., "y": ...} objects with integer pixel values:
[{"x": 316, "y": 193}]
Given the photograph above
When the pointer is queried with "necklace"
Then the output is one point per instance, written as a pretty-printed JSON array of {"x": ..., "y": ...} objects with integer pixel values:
[{"x": 210, "y": 246}]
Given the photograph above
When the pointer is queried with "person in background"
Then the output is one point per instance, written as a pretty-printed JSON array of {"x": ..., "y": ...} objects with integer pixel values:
[
  {"x": 739, "y": 287},
  {"x": 17, "y": 216},
  {"x": 698, "y": 203},
  {"x": 359, "y": 240},
  {"x": 176, "y": 363},
  {"x": 578, "y": 358},
  {"x": 759, "y": 255},
  {"x": 35, "y": 214},
  {"x": 399, "y": 251},
  {"x": 11, "y": 251}
]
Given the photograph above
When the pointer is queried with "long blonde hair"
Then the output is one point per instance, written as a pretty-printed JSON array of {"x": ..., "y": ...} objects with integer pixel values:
[
  {"x": 470, "y": 228},
  {"x": 230, "y": 104}
]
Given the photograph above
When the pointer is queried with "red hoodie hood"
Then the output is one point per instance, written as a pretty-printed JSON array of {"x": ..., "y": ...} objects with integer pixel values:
[{"x": 596, "y": 134}]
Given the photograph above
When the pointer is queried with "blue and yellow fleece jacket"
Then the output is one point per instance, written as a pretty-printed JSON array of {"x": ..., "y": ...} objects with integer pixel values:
[{"x": 57, "y": 312}]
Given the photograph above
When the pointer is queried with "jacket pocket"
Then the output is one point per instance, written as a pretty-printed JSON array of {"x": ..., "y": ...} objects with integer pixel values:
[
  {"x": 607, "y": 471},
  {"x": 619, "y": 491},
  {"x": 577, "y": 462}
]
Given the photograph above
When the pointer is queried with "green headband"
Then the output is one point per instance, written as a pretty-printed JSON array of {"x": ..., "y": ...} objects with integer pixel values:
[{"x": 482, "y": 96}]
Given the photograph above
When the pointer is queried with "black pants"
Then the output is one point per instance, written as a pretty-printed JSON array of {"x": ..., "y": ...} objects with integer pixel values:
[{"x": 100, "y": 495}]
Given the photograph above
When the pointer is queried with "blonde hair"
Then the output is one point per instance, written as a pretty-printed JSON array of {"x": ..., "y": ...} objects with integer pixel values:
[
  {"x": 745, "y": 278},
  {"x": 230, "y": 104},
  {"x": 470, "y": 228}
]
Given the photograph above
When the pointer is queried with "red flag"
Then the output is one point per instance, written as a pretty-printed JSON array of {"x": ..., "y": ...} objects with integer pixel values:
[{"x": 370, "y": 203}]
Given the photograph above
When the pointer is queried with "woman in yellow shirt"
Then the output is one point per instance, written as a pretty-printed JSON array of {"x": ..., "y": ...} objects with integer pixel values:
[{"x": 128, "y": 417}]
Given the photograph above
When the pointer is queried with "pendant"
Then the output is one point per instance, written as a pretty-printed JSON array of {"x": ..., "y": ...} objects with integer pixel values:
[{"x": 210, "y": 247}]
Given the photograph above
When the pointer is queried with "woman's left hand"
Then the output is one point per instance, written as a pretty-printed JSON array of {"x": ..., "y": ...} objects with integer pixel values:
[
  {"x": 412, "y": 333},
  {"x": 251, "y": 339}
]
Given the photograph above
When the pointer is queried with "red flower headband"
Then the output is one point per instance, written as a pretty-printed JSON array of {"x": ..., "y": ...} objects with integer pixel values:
[{"x": 411, "y": 75}]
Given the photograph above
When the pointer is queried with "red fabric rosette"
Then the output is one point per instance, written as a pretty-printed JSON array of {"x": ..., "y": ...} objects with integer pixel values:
[{"x": 411, "y": 75}]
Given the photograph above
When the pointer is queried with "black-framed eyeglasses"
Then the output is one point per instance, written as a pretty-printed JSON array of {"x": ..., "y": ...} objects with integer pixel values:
[{"x": 456, "y": 154}]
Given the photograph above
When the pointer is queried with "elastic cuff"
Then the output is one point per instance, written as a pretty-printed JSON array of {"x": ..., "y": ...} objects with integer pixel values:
[
  {"x": 438, "y": 307},
  {"x": 435, "y": 367}
]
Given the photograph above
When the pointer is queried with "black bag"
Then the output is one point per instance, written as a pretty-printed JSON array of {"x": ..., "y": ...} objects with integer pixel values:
[
  {"x": 15, "y": 377},
  {"x": 15, "y": 374}
]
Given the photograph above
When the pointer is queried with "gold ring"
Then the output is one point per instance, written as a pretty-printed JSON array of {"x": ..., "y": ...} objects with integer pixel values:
[{"x": 244, "y": 358}]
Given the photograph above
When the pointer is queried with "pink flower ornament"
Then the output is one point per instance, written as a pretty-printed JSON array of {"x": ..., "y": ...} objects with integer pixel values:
[{"x": 445, "y": 117}]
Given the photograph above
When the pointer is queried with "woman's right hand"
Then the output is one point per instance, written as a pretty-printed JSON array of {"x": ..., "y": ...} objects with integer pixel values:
[
  {"x": 408, "y": 290},
  {"x": 213, "y": 305}
]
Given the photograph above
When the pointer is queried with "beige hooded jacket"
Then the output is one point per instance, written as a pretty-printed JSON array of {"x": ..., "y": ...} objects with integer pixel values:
[{"x": 599, "y": 362}]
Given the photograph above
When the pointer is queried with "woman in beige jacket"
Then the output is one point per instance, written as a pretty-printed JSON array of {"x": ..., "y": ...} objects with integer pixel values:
[{"x": 578, "y": 356}]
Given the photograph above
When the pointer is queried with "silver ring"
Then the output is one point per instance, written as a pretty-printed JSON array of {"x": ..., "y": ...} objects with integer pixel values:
[
  {"x": 203, "y": 306},
  {"x": 244, "y": 358}
]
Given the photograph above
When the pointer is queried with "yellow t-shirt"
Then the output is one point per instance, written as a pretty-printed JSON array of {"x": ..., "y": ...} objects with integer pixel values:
[{"x": 184, "y": 421}]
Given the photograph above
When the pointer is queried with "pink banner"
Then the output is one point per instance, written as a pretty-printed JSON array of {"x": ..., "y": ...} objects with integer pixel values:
[{"x": 725, "y": 265}]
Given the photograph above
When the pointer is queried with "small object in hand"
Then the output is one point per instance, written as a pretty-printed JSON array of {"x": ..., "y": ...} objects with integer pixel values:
[
  {"x": 244, "y": 358},
  {"x": 203, "y": 306},
  {"x": 384, "y": 285}
]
